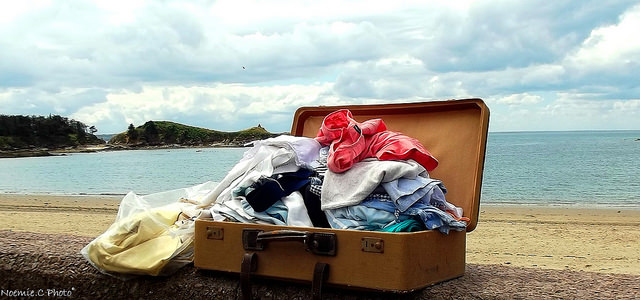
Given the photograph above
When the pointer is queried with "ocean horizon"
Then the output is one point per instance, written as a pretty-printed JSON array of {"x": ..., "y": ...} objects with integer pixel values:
[{"x": 550, "y": 168}]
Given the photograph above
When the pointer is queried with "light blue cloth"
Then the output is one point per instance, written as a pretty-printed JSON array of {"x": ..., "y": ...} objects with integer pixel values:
[
  {"x": 289, "y": 211},
  {"x": 359, "y": 217},
  {"x": 276, "y": 214},
  {"x": 405, "y": 192},
  {"x": 432, "y": 217},
  {"x": 420, "y": 197}
]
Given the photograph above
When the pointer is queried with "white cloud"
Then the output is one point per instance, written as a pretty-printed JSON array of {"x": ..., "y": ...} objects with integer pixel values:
[
  {"x": 542, "y": 75},
  {"x": 567, "y": 113},
  {"x": 387, "y": 78},
  {"x": 631, "y": 107},
  {"x": 120, "y": 11},
  {"x": 520, "y": 99},
  {"x": 227, "y": 107},
  {"x": 13, "y": 10},
  {"x": 114, "y": 63},
  {"x": 610, "y": 56},
  {"x": 613, "y": 45},
  {"x": 577, "y": 113}
]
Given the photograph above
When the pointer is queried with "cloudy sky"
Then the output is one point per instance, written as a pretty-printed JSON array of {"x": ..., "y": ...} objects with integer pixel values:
[{"x": 229, "y": 65}]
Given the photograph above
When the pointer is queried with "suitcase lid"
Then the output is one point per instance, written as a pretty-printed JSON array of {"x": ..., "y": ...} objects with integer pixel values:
[{"x": 454, "y": 131}]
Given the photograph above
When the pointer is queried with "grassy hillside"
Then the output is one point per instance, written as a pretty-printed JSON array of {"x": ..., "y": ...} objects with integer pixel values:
[{"x": 157, "y": 133}]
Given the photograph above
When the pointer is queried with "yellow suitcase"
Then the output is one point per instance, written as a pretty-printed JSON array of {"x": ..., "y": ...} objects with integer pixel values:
[{"x": 454, "y": 131}]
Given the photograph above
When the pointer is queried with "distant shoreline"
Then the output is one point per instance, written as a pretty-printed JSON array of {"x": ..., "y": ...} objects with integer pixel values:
[
  {"x": 39, "y": 152},
  {"x": 42, "y": 152}
]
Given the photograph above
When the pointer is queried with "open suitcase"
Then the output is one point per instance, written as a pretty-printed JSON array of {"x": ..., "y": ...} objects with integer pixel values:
[{"x": 454, "y": 131}]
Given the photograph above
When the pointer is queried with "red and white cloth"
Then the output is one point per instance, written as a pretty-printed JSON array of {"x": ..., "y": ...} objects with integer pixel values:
[{"x": 351, "y": 142}]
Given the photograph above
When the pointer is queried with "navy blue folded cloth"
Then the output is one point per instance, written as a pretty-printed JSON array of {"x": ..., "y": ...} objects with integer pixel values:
[{"x": 267, "y": 190}]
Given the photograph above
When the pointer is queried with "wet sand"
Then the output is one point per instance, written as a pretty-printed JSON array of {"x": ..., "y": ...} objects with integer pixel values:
[{"x": 561, "y": 238}]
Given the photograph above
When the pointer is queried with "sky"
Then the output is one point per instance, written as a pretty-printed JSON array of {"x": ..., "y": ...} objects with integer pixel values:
[{"x": 230, "y": 65}]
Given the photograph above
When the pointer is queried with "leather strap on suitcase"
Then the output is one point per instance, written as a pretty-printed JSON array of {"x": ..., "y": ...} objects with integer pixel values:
[{"x": 257, "y": 240}]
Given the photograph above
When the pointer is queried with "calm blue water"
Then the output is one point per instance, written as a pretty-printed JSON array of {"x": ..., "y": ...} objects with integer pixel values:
[
  {"x": 116, "y": 172},
  {"x": 578, "y": 168},
  {"x": 600, "y": 168}
]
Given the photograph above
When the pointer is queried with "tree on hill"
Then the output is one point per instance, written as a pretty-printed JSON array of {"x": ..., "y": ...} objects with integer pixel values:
[
  {"x": 24, "y": 132},
  {"x": 132, "y": 134},
  {"x": 151, "y": 133}
]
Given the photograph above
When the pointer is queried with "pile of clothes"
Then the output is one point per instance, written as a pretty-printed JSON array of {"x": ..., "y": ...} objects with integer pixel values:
[{"x": 350, "y": 176}]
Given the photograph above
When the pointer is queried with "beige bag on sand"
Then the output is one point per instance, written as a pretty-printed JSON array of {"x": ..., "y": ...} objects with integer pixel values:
[
  {"x": 152, "y": 235},
  {"x": 141, "y": 244}
]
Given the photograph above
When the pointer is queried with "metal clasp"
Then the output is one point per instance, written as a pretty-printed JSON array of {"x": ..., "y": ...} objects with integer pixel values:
[
  {"x": 215, "y": 233},
  {"x": 370, "y": 244}
]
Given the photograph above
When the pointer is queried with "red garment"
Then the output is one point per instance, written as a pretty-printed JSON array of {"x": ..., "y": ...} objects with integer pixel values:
[{"x": 351, "y": 142}]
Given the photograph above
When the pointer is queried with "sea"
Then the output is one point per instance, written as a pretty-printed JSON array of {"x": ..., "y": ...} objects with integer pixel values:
[{"x": 559, "y": 168}]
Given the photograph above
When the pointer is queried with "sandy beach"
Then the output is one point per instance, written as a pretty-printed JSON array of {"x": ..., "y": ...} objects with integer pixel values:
[{"x": 561, "y": 238}]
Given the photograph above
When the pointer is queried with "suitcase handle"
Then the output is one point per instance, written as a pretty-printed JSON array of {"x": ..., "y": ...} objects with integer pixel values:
[
  {"x": 283, "y": 236},
  {"x": 319, "y": 243}
]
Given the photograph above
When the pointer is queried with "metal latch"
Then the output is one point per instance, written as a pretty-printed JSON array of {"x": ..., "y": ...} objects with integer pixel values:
[
  {"x": 371, "y": 244},
  {"x": 322, "y": 244},
  {"x": 215, "y": 233},
  {"x": 250, "y": 240}
]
